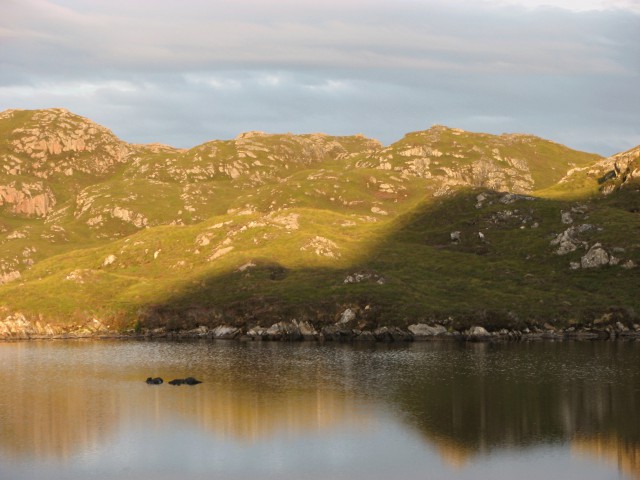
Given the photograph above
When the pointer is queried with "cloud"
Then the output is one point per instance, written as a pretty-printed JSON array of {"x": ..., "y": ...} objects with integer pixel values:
[
  {"x": 186, "y": 72},
  {"x": 422, "y": 35},
  {"x": 573, "y": 5}
]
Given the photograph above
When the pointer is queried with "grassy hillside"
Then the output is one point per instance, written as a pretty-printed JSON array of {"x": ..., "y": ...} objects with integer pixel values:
[{"x": 270, "y": 227}]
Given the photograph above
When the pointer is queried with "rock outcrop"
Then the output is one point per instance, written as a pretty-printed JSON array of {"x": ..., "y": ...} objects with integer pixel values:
[
  {"x": 28, "y": 199},
  {"x": 612, "y": 173},
  {"x": 422, "y": 330},
  {"x": 452, "y": 158},
  {"x": 18, "y": 327},
  {"x": 58, "y": 143},
  {"x": 595, "y": 257},
  {"x": 322, "y": 247},
  {"x": 6, "y": 277},
  {"x": 569, "y": 240}
]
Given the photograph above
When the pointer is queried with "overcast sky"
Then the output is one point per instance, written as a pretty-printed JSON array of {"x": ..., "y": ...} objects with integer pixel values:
[{"x": 183, "y": 72}]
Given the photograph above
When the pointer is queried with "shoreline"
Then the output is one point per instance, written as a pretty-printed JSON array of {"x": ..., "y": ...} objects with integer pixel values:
[{"x": 18, "y": 328}]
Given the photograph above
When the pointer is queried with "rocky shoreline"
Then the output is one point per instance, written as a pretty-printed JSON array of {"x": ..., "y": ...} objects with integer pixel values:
[{"x": 18, "y": 327}]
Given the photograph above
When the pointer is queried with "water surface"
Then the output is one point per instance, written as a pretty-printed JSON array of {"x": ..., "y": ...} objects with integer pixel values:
[{"x": 81, "y": 410}]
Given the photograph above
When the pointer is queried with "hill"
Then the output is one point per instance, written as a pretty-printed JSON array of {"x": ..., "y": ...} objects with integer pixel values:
[{"x": 442, "y": 227}]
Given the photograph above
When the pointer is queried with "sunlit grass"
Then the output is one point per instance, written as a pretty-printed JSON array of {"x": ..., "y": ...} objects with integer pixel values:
[{"x": 269, "y": 228}]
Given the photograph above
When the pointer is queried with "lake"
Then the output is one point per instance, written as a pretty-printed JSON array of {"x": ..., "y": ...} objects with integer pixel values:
[{"x": 81, "y": 409}]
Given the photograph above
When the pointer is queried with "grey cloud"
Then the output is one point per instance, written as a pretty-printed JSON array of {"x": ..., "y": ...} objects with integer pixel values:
[
  {"x": 186, "y": 73},
  {"x": 214, "y": 34}
]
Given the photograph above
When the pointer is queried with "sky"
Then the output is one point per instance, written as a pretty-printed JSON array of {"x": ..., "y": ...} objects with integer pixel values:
[{"x": 182, "y": 72}]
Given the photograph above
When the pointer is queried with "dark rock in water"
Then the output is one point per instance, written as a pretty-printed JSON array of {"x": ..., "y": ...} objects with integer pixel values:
[
  {"x": 154, "y": 381},
  {"x": 184, "y": 381}
]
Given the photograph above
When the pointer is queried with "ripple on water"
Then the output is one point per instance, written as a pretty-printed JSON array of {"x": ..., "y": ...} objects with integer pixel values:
[{"x": 79, "y": 408}]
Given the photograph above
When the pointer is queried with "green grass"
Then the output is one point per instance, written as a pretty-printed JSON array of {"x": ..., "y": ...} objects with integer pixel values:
[{"x": 219, "y": 249}]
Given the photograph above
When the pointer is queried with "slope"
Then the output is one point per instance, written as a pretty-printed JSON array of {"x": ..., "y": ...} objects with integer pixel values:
[{"x": 270, "y": 227}]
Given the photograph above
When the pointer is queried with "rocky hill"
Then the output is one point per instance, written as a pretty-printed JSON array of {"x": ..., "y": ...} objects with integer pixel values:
[
  {"x": 620, "y": 171},
  {"x": 443, "y": 225}
]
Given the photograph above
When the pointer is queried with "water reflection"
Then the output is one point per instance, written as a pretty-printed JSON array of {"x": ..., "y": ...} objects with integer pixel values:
[
  {"x": 482, "y": 397},
  {"x": 623, "y": 454},
  {"x": 66, "y": 397},
  {"x": 446, "y": 407}
]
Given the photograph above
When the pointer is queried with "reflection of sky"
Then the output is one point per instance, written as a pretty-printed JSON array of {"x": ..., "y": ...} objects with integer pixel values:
[
  {"x": 391, "y": 450},
  {"x": 315, "y": 411}
]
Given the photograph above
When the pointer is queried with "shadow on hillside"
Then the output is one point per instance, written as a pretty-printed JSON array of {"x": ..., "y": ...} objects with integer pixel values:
[{"x": 457, "y": 259}]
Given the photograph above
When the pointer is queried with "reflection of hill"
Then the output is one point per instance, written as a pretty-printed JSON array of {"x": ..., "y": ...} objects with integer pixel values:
[
  {"x": 56, "y": 410},
  {"x": 250, "y": 416},
  {"x": 625, "y": 455},
  {"x": 59, "y": 422},
  {"x": 48, "y": 420},
  {"x": 478, "y": 397},
  {"x": 59, "y": 400},
  {"x": 451, "y": 452}
]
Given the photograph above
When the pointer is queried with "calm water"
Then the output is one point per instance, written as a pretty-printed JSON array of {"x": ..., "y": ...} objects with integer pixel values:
[{"x": 81, "y": 410}]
